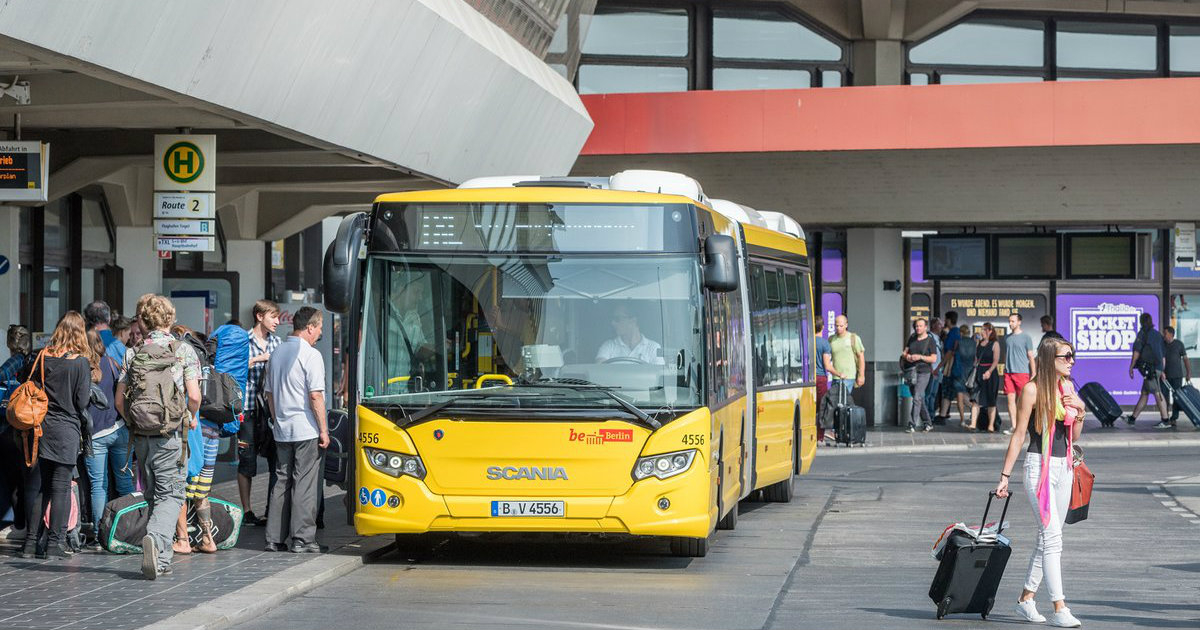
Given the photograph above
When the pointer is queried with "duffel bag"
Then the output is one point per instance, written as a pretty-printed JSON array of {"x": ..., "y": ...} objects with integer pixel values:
[
  {"x": 123, "y": 524},
  {"x": 226, "y": 518}
]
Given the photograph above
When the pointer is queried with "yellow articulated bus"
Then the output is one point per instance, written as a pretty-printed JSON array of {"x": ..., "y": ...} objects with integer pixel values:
[{"x": 610, "y": 355}]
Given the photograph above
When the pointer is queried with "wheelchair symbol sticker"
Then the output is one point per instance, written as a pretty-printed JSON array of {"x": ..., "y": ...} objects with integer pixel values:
[{"x": 363, "y": 496}]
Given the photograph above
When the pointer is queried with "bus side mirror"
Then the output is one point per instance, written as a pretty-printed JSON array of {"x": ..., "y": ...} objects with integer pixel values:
[
  {"x": 341, "y": 272},
  {"x": 720, "y": 263}
]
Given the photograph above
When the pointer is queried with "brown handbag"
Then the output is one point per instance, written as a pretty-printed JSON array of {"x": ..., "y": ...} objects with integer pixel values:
[
  {"x": 1081, "y": 489},
  {"x": 27, "y": 408}
]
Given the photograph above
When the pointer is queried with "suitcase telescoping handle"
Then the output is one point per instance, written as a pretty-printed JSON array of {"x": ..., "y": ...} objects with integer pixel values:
[{"x": 1003, "y": 512}]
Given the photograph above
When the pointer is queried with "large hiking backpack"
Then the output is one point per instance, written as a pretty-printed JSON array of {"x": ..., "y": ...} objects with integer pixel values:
[
  {"x": 157, "y": 405},
  {"x": 27, "y": 406},
  {"x": 223, "y": 401}
]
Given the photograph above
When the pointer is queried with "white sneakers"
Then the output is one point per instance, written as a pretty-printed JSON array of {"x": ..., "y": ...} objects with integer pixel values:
[
  {"x": 1061, "y": 619},
  {"x": 1028, "y": 611}
]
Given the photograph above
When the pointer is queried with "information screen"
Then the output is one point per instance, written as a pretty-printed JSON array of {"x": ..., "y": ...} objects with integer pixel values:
[
  {"x": 1099, "y": 256},
  {"x": 1026, "y": 256},
  {"x": 956, "y": 256},
  {"x": 548, "y": 227}
]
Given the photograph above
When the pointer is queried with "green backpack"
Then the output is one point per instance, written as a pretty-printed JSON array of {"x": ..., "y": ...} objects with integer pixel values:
[{"x": 157, "y": 406}]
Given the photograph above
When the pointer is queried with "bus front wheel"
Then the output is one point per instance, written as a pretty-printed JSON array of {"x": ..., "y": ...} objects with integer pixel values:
[{"x": 689, "y": 547}]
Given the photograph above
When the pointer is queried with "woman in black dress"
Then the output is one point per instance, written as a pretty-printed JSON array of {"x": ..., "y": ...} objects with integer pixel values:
[
  {"x": 987, "y": 382},
  {"x": 65, "y": 370}
]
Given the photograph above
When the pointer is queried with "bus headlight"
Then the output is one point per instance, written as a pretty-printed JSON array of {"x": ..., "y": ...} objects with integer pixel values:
[
  {"x": 395, "y": 464},
  {"x": 663, "y": 466}
]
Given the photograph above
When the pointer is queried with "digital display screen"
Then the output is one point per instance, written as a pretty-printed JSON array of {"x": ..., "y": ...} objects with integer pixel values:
[
  {"x": 543, "y": 227},
  {"x": 1026, "y": 256},
  {"x": 956, "y": 256},
  {"x": 1100, "y": 256}
]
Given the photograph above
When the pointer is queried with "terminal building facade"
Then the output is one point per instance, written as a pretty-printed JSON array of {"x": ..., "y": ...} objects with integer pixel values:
[
  {"x": 876, "y": 123},
  {"x": 870, "y": 122}
]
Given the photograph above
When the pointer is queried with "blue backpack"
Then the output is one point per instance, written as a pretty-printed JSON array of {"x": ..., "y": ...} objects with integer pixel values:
[{"x": 229, "y": 350}]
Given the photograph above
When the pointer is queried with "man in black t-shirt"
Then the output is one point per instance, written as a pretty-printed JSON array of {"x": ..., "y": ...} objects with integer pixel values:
[
  {"x": 917, "y": 361},
  {"x": 1178, "y": 369}
]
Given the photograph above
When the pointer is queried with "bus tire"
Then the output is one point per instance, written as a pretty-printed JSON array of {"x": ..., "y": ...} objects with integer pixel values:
[
  {"x": 780, "y": 492},
  {"x": 682, "y": 547}
]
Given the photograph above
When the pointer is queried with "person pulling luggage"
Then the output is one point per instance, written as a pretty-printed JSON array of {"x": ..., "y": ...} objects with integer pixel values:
[{"x": 1052, "y": 414}]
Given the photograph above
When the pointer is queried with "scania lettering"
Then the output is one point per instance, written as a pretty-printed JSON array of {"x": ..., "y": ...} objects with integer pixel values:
[
  {"x": 525, "y": 472},
  {"x": 622, "y": 354}
]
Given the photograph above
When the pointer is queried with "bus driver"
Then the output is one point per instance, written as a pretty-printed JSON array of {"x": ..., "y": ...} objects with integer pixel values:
[{"x": 629, "y": 342}]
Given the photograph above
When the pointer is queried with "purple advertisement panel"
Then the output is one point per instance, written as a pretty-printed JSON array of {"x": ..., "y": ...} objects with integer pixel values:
[
  {"x": 831, "y": 307},
  {"x": 1102, "y": 328}
]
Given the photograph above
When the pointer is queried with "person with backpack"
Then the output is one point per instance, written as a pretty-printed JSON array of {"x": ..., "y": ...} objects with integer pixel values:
[
  {"x": 226, "y": 351},
  {"x": 50, "y": 410},
  {"x": 255, "y": 437},
  {"x": 159, "y": 396},
  {"x": 1149, "y": 359},
  {"x": 12, "y": 490},
  {"x": 110, "y": 438}
]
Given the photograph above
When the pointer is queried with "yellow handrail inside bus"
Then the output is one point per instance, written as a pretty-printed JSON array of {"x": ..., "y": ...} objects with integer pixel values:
[{"x": 492, "y": 377}]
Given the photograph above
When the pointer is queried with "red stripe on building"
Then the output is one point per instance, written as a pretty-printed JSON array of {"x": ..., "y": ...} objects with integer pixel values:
[{"x": 1124, "y": 112}]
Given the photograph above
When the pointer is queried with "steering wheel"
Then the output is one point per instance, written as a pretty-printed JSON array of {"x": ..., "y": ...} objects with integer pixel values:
[{"x": 625, "y": 360}]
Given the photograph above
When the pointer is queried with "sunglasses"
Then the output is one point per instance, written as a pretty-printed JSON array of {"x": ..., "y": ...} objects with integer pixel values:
[{"x": 1070, "y": 356}]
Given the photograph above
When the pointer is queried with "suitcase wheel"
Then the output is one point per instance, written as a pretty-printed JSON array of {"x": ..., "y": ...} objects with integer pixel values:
[
  {"x": 942, "y": 607},
  {"x": 988, "y": 608}
]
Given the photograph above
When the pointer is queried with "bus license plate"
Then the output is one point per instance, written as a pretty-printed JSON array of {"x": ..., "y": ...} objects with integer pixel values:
[{"x": 528, "y": 508}]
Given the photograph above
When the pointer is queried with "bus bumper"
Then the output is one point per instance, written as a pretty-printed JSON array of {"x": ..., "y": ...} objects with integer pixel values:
[{"x": 389, "y": 505}]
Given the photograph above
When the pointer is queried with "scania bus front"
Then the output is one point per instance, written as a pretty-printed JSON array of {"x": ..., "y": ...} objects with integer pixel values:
[{"x": 536, "y": 366}]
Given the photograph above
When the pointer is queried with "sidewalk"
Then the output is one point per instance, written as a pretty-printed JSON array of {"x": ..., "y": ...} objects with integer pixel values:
[
  {"x": 107, "y": 591},
  {"x": 952, "y": 437}
]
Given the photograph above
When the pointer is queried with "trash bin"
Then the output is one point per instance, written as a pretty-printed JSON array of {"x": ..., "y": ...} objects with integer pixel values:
[{"x": 904, "y": 404}]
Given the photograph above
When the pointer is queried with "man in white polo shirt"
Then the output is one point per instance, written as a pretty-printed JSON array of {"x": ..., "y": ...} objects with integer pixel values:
[{"x": 295, "y": 389}]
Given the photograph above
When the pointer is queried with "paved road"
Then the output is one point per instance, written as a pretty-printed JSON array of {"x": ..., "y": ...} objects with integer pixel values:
[{"x": 852, "y": 551}]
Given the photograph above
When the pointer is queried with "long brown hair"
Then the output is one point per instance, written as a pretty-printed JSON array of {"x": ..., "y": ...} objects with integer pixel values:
[
  {"x": 989, "y": 332},
  {"x": 1047, "y": 380},
  {"x": 70, "y": 337}
]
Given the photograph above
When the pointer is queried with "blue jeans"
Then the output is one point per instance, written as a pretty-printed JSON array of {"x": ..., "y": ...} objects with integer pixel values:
[{"x": 108, "y": 453}]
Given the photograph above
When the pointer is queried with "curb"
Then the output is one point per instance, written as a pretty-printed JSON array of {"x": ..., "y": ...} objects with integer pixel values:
[
  {"x": 253, "y": 601},
  {"x": 995, "y": 446}
]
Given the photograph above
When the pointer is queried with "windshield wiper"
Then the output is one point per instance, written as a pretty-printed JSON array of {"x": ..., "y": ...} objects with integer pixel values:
[
  {"x": 429, "y": 410},
  {"x": 580, "y": 385}
]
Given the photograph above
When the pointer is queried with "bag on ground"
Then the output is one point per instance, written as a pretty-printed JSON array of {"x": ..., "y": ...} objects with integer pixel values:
[{"x": 124, "y": 523}]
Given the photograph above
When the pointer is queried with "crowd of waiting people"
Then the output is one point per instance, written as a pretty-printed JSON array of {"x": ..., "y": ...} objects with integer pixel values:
[{"x": 102, "y": 378}]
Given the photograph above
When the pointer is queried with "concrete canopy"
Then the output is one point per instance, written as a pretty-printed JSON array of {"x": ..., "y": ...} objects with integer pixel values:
[{"x": 317, "y": 106}]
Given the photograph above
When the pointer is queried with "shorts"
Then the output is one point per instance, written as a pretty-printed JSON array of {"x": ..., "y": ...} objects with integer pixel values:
[
  {"x": 1014, "y": 382},
  {"x": 1150, "y": 384},
  {"x": 247, "y": 457}
]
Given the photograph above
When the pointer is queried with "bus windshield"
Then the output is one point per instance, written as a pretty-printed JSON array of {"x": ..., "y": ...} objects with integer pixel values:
[{"x": 544, "y": 331}]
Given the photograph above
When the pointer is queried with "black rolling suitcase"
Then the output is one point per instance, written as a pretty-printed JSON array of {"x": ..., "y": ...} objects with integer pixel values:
[
  {"x": 1188, "y": 399},
  {"x": 970, "y": 569},
  {"x": 1100, "y": 403},
  {"x": 337, "y": 456},
  {"x": 849, "y": 420}
]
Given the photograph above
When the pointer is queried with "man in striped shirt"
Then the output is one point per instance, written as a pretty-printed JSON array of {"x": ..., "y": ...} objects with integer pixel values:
[{"x": 262, "y": 343}]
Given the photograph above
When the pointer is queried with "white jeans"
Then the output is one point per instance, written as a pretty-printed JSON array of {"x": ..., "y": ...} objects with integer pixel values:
[{"x": 1047, "y": 554}]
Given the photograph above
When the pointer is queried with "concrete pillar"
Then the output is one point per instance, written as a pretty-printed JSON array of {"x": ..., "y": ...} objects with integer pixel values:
[
  {"x": 878, "y": 62},
  {"x": 248, "y": 259},
  {"x": 139, "y": 260},
  {"x": 10, "y": 280},
  {"x": 873, "y": 256}
]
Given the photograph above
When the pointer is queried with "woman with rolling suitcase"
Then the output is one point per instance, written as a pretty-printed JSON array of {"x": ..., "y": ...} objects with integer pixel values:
[{"x": 1052, "y": 415}]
